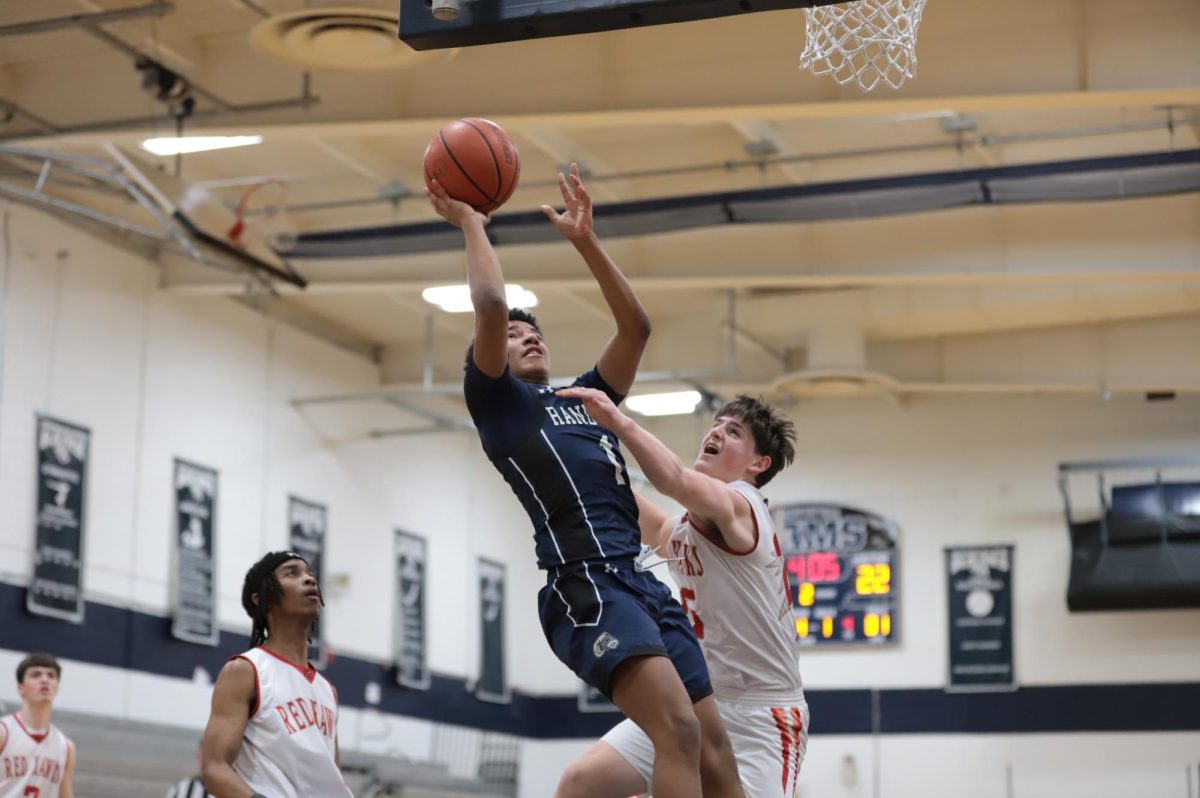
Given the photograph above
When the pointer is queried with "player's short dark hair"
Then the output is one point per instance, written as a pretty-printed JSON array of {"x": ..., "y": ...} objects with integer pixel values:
[
  {"x": 774, "y": 435},
  {"x": 38, "y": 661},
  {"x": 261, "y": 579},
  {"x": 514, "y": 314}
]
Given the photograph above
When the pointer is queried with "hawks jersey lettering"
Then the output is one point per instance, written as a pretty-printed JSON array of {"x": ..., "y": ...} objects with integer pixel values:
[
  {"x": 32, "y": 764},
  {"x": 289, "y": 746},
  {"x": 739, "y": 607},
  {"x": 566, "y": 469}
]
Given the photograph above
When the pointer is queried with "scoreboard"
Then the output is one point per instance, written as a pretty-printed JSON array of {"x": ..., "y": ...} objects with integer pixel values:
[{"x": 841, "y": 572}]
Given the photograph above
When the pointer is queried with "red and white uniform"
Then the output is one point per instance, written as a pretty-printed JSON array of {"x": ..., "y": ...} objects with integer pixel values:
[
  {"x": 739, "y": 606},
  {"x": 289, "y": 749},
  {"x": 32, "y": 765}
]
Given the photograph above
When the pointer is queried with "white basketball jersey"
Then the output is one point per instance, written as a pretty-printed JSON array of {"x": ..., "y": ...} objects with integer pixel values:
[
  {"x": 289, "y": 746},
  {"x": 32, "y": 764},
  {"x": 738, "y": 604}
]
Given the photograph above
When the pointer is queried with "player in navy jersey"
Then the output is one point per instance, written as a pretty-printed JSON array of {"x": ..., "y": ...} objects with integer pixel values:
[{"x": 615, "y": 625}]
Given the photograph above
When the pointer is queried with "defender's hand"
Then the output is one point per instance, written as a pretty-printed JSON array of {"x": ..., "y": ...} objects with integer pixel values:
[{"x": 598, "y": 406}]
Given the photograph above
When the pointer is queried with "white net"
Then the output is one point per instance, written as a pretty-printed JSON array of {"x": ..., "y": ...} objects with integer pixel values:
[{"x": 866, "y": 42}]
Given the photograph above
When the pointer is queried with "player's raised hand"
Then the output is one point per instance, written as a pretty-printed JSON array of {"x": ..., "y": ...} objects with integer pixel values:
[
  {"x": 455, "y": 212},
  {"x": 575, "y": 222},
  {"x": 598, "y": 406}
]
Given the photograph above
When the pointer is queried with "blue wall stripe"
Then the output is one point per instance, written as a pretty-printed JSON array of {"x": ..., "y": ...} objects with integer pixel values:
[{"x": 141, "y": 642}]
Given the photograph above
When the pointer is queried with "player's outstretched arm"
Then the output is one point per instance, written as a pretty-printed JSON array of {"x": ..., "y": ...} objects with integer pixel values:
[
  {"x": 233, "y": 696},
  {"x": 484, "y": 278},
  {"x": 653, "y": 521},
  {"x": 702, "y": 495},
  {"x": 618, "y": 363}
]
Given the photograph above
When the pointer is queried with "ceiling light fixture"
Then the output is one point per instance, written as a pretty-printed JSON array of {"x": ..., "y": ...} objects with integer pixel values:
[
  {"x": 457, "y": 298},
  {"x": 676, "y": 403},
  {"x": 178, "y": 145}
]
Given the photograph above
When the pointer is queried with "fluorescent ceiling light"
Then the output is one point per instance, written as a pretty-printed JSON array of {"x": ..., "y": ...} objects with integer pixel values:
[
  {"x": 184, "y": 144},
  {"x": 664, "y": 404},
  {"x": 457, "y": 298}
]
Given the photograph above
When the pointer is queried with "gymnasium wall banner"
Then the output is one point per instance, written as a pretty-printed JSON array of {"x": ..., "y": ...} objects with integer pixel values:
[
  {"x": 408, "y": 637},
  {"x": 492, "y": 685},
  {"x": 306, "y": 536},
  {"x": 195, "y": 588},
  {"x": 56, "y": 585},
  {"x": 592, "y": 700},
  {"x": 979, "y": 590}
]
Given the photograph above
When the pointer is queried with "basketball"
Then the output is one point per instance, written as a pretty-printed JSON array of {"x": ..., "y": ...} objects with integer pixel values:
[{"x": 475, "y": 161}]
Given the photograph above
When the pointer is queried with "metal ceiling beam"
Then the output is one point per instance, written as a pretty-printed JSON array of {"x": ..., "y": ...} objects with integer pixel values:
[
  {"x": 12, "y": 108},
  {"x": 117, "y": 43},
  {"x": 66, "y": 134},
  {"x": 255, "y": 7},
  {"x": 156, "y": 9},
  {"x": 723, "y": 276},
  {"x": 298, "y": 318},
  {"x": 714, "y": 114},
  {"x": 37, "y": 198}
]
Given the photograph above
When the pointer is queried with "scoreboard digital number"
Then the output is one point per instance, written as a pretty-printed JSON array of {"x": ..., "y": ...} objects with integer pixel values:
[{"x": 841, "y": 573}]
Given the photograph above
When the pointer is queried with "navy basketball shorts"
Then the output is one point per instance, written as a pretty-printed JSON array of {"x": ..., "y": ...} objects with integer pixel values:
[{"x": 597, "y": 615}]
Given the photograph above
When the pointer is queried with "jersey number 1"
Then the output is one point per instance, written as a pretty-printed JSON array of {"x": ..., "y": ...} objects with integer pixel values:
[{"x": 612, "y": 458}]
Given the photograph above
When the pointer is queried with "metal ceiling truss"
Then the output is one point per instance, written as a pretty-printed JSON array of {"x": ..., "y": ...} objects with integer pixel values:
[
  {"x": 108, "y": 177},
  {"x": 90, "y": 24}
]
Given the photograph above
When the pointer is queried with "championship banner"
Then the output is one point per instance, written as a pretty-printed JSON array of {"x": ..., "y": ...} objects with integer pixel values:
[
  {"x": 979, "y": 589},
  {"x": 408, "y": 638},
  {"x": 56, "y": 585},
  {"x": 195, "y": 618},
  {"x": 592, "y": 700},
  {"x": 492, "y": 685},
  {"x": 306, "y": 536}
]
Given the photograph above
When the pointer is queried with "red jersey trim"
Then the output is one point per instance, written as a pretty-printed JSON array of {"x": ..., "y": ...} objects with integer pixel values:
[
  {"x": 718, "y": 541},
  {"x": 257, "y": 684},
  {"x": 37, "y": 738},
  {"x": 308, "y": 671}
]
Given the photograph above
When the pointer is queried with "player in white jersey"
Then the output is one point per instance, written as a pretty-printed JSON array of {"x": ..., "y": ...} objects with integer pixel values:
[
  {"x": 273, "y": 727},
  {"x": 36, "y": 759},
  {"x": 726, "y": 559}
]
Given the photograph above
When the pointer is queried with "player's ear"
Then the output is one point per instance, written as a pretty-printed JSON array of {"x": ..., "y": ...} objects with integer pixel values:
[
  {"x": 254, "y": 599},
  {"x": 761, "y": 464}
]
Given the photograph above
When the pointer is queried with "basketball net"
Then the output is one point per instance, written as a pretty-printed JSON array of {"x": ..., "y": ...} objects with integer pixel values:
[
  {"x": 866, "y": 42},
  {"x": 260, "y": 215}
]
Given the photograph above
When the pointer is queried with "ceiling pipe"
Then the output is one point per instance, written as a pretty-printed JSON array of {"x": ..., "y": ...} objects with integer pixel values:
[
  {"x": 305, "y": 100},
  {"x": 88, "y": 23},
  {"x": 117, "y": 43},
  {"x": 12, "y": 108},
  {"x": 732, "y": 165},
  {"x": 255, "y": 7},
  {"x": 156, "y": 9}
]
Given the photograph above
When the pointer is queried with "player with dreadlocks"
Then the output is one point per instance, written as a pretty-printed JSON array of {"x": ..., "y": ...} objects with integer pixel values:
[{"x": 273, "y": 727}]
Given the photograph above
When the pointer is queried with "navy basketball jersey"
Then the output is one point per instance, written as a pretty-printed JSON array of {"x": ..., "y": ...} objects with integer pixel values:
[{"x": 566, "y": 469}]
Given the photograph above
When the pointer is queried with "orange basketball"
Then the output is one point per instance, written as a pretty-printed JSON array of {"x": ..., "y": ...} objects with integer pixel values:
[{"x": 475, "y": 161}]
